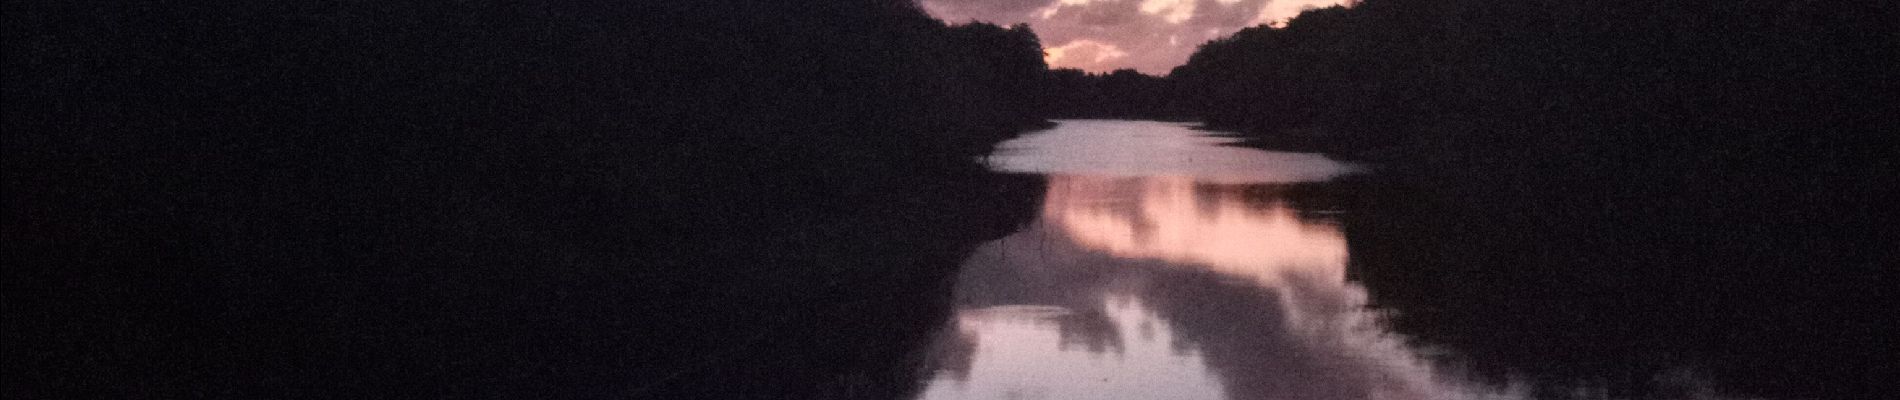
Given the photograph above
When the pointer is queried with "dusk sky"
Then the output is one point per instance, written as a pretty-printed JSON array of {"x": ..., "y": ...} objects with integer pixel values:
[{"x": 1152, "y": 36}]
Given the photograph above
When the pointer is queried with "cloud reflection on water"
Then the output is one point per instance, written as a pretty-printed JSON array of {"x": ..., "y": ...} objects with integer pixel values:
[{"x": 1166, "y": 286}]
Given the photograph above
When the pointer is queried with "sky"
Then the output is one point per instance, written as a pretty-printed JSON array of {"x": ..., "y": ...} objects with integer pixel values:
[{"x": 1151, "y": 36}]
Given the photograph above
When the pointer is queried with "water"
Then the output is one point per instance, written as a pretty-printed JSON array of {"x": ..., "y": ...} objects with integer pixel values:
[{"x": 1167, "y": 265}]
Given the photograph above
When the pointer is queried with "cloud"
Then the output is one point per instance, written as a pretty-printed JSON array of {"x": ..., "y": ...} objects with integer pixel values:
[
  {"x": 1085, "y": 51},
  {"x": 1172, "y": 11},
  {"x": 987, "y": 8},
  {"x": 1152, "y": 36}
]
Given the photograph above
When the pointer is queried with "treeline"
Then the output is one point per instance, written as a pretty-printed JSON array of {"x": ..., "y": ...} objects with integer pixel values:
[
  {"x": 1586, "y": 77},
  {"x": 1698, "y": 177},
  {"x": 1121, "y": 94},
  {"x": 491, "y": 199}
]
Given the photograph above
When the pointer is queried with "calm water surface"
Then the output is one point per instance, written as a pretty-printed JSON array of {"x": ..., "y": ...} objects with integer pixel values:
[{"x": 1167, "y": 265}]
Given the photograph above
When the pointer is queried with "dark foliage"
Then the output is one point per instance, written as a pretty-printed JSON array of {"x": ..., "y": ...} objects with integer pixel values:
[
  {"x": 1595, "y": 188},
  {"x": 1122, "y": 94},
  {"x": 1671, "y": 78},
  {"x": 492, "y": 199}
]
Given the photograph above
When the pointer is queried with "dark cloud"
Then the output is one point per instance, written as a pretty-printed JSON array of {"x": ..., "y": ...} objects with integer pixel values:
[{"x": 1152, "y": 36}]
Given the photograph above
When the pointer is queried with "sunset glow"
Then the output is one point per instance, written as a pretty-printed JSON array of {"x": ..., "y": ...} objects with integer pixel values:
[
  {"x": 1175, "y": 220},
  {"x": 1151, "y": 36}
]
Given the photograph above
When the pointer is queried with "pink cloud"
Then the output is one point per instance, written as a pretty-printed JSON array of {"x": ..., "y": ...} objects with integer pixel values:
[{"x": 1152, "y": 36}]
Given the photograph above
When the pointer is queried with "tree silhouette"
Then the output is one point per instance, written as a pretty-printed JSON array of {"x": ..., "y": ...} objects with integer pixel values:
[
  {"x": 1601, "y": 163},
  {"x": 492, "y": 199}
]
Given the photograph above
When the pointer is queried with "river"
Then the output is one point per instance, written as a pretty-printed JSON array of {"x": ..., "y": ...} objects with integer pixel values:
[{"x": 1167, "y": 264}]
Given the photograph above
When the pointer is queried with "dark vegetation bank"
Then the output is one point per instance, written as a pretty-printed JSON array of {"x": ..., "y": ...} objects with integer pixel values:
[
  {"x": 1590, "y": 191},
  {"x": 676, "y": 199},
  {"x": 1121, "y": 94},
  {"x": 570, "y": 199}
]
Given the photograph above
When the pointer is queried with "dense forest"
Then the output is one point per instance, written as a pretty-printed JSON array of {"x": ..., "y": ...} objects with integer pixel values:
[
  {"x": 1527, "y": 147},
  {"x": 595, "y": 198},
  {"x": 1120, "y": 94},
  {"x": 494, "y": 199},
  {"x": 1670, "y": 77}
]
